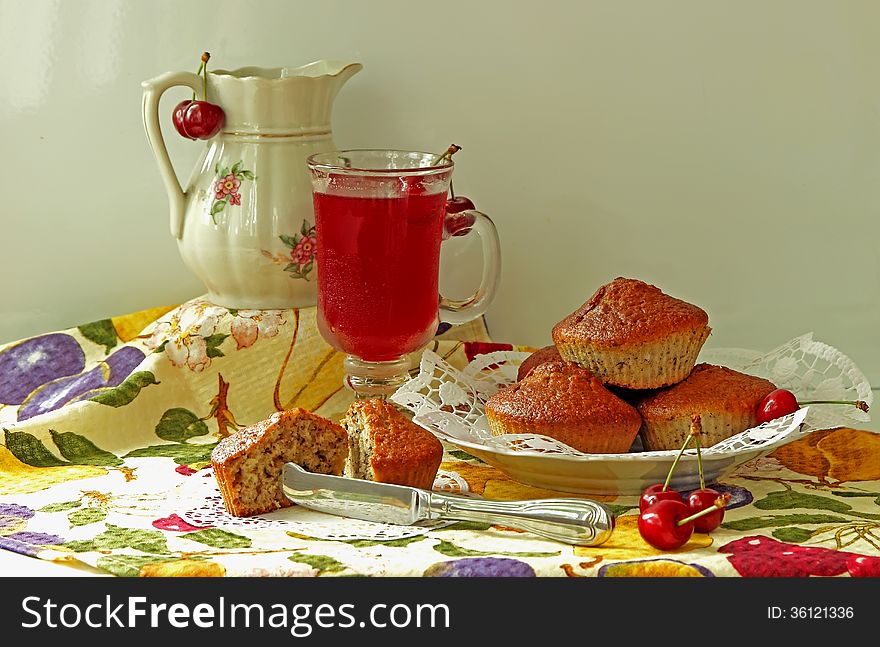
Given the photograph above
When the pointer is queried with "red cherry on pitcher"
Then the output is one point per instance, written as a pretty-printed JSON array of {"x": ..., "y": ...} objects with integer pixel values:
[
  {"x": 659, "y": 525},
  {"x": 199, "y": 119},
  {"x": 203, "y": 120},
  {"x": 458, "y": 204},
  {"x": 177, "y": 117},
  {"x": 654, "y": 493},
  {"x": 699, "y": 500}
]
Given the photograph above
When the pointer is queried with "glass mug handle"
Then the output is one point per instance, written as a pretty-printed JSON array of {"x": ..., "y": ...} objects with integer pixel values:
[{"x": 459, "y": 224}]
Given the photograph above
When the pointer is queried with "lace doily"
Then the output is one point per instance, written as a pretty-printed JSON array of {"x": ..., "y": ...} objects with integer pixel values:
[
  {"x": 450, "y": 402},
  {"x": 300, "y": 520}
]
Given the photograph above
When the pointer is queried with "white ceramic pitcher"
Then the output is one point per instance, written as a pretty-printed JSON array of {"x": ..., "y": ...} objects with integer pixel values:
[{"x": 245, "y": 222}]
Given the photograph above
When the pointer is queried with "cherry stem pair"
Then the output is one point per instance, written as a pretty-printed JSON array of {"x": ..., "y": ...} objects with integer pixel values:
[
  {"x": 447, "y": 154},
  {"x": 203, "y": 72},
  {"x": 695, "y": 433}
]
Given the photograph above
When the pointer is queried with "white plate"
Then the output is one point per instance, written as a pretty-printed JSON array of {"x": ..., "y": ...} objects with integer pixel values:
[
  {"x": 599, "y": 474},
  {"x": 449, "y": 403}
]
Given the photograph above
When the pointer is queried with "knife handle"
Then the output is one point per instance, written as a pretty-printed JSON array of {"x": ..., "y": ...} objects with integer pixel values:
[{"x": 579, "y": 522}]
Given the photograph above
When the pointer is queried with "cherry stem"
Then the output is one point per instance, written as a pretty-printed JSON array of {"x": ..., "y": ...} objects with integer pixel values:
[
  {"x": 447, "y": 154},
  {"x": 452, "y": 150},
  {"x": 718, "y": 504},
  {"x": 696, "y": 432},
  {"x": 198, "y": 73},
  {"x": 204, "y": 69},
  {"x": 700, "y": 465},
  {"x": 858, "y": 404},
  {"x": 687, "y": 442}
]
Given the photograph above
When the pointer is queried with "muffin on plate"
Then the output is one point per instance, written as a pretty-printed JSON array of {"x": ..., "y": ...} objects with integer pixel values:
[
  {"x": 248, "y": 464},
  {"x": 565, "y": 401},
  {"x": 725, "y": 400},
  {"x": 631, "y": 334},
  {"x": 541, "y": 356},
  {"x": 385, "y": 446}
]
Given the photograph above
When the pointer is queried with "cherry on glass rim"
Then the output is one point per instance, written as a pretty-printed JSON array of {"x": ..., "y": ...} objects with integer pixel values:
[{"x": 458, "y": 204}]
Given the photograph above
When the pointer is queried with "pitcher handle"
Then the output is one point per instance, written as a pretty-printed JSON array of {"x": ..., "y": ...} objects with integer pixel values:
[
  {"x": 459, "y": 224},
  {"x": 153, "y": 90}
]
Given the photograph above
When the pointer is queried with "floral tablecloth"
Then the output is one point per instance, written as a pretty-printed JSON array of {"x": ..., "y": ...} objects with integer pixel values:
[{"x": 107, "y": 431}]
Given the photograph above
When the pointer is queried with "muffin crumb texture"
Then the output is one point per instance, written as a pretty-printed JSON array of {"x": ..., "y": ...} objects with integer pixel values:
[{"x": 249, "y": 463}]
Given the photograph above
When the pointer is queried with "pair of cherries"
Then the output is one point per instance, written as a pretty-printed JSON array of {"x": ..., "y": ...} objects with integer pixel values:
[
  {"x": 667, "y": 520},
  {"x": 199, "y": 119}
]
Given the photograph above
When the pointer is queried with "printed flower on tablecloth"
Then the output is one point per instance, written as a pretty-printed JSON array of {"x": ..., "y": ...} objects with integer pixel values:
[
  {"x": 654, "y": 568},
  {"x": 758, "y": 556},
  {"x": 300, "y": 260},
  {"x": 247, "y": 325},
  {"x": 188, "y": 335},
  {"x": 14, "y": 537},
  {"x": 175, "y": 523},
  {"x": 481, "y": 567},
  {"x": 226, "y": 187}
]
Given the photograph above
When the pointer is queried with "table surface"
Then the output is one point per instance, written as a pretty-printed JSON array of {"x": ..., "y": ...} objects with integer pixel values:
[{"x": 110, "y": 482}]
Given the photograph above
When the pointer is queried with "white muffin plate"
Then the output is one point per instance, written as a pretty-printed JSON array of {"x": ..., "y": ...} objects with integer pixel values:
[{"x": 450, "y": 403}]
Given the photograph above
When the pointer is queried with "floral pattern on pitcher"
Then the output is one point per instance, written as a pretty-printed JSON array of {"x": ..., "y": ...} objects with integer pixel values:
[
  {"x": 303, "y": 247},
  {"x": 226, "y": 187}
]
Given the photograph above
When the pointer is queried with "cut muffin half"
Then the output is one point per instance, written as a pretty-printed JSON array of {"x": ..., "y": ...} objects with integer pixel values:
[
  {"x": 249, "y": 463},
  {"x": 385, "y": 446}
]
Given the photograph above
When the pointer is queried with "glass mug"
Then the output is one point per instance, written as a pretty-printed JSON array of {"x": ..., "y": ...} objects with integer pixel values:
[{"x": 380, "y": 217}]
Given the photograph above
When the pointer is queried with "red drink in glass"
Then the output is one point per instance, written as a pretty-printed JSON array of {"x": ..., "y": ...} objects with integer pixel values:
[
  {"x": 380, "y": 217},
  {"x": 378, "y": 269}
]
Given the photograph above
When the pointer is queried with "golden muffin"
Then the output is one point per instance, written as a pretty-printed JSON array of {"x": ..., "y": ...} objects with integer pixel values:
[
  {"x": 725, "y": 400},
  {"x": 631, "y": 334},
  {"x": 546, "y": 354},
  {"x": 565, "y": 401}
]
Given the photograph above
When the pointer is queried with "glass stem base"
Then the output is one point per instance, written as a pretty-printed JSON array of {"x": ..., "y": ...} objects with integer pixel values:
[{"x": 375, "y": 379}]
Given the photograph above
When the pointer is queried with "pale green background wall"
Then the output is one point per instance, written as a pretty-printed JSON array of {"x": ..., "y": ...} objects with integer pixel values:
[{"x": 727, "y": 151}]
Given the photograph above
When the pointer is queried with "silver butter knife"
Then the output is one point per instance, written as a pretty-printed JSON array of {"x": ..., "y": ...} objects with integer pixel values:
[{"x": 580, "y": 522}]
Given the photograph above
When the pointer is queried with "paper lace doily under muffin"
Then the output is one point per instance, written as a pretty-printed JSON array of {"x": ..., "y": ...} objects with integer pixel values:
[
  {"x": 450, "y": 402},
  {"x": 302, "y": 521}
]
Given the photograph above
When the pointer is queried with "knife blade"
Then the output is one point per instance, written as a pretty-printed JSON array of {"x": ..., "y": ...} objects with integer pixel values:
[{"x": 579, "y": 522}]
